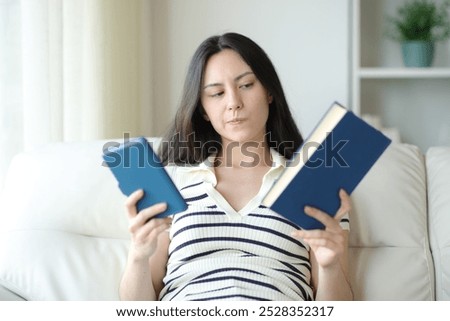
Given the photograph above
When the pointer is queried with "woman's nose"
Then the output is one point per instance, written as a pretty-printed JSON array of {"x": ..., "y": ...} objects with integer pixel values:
[{"x": 234, "y": 101}]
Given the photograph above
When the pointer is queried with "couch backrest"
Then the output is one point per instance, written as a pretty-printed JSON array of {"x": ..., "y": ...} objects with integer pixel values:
[
  {"x": 390, "y": 252},
  {"x": 64, "y": 231},
  {"x": 438, "y": 174}
]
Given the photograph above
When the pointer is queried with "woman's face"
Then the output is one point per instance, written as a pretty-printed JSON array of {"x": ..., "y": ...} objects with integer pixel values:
[{"x": 235, "y": 102}]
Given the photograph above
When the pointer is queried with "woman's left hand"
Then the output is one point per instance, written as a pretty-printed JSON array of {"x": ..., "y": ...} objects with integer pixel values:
[{"x": 330, "y": 243}]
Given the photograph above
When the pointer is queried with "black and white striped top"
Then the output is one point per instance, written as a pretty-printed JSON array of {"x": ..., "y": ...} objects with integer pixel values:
[{"x": 217, "y": 253}]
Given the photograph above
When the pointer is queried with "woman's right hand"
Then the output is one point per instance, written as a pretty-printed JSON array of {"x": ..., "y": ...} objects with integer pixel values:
[{"x": 144, "y": 228}]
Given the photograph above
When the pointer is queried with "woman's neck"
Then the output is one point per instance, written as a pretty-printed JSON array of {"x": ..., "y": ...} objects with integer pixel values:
[{"x": 244, "y": 155}]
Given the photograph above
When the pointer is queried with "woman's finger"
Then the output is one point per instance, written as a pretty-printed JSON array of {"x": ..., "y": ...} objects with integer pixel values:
[
  {"x": 309, "y": 233},
  {"x": 131, "y": 201},
  {"x": 322, "y": 242},
  {"x": 153, "y": 227},
  {"x": 152, "y": 211},
  {"x": 145, "y": 216},
  {"x": 319, "y": 215},
  {"x": 345, "y": 207},
  {"x": 321, "y": 239}
]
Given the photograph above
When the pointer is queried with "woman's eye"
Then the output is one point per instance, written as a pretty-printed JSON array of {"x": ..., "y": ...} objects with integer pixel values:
[
  {"x": 217, "y": 94},
  {"x": 247, "y": 85}
]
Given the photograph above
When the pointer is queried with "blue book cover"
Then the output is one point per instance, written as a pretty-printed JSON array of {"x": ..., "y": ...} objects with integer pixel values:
[
  {"x": 338, "y": 154},
  {"x": 136, "y": 166}
]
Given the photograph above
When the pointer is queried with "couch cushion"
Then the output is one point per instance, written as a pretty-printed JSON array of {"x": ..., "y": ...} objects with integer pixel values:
[
  {"x": 390, "y": 254},
  {"x": 64, "y": 187},
  {"x": 55, "y": 265},
  {"x": 64, "y": 229},
  {"x": 438, "y": 172}
]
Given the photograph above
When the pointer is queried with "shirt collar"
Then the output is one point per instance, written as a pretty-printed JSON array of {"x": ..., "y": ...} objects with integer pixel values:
[
  {"x": 206, "y": 167},
  {"x": 278, "y": 160}
]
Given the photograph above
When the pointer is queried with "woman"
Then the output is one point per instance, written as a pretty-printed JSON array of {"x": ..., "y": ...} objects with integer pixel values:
[{"x": 228, "y": 143}]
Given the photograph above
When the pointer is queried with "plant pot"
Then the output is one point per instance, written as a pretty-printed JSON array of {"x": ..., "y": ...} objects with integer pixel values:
[{"x": 418, "y": 53}]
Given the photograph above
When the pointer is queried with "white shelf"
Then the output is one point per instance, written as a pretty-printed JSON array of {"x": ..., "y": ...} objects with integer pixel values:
[
  {"x": 403, "y": 73},
  {"x": 386, "y": 90}
]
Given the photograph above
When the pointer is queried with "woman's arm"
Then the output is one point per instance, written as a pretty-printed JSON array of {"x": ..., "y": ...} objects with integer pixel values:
[
  {"x": 147, "y": 257},
  {"x": 331, "y": 283},
  {"x": 329, "y": 253}
]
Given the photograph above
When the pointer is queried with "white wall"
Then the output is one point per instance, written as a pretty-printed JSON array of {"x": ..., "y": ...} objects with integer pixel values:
[{"x": 308, "y": 42}]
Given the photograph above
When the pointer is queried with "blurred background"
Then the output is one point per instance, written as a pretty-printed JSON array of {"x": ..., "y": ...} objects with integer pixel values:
[
  {"x": 75, "y": 70},
  {"x": 96, "y": 69}
]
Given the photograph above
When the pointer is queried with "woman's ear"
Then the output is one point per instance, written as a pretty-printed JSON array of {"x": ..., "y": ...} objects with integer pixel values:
[
  {"x": 270, "y": 98},
  {"x": 205, "y": 116}
]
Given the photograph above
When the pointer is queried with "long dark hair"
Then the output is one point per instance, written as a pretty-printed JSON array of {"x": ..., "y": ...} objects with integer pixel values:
[{"x": 191, "y": 139}]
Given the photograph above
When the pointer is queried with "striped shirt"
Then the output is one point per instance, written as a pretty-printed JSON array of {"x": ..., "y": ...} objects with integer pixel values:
[{"x": 217, "y": 253}]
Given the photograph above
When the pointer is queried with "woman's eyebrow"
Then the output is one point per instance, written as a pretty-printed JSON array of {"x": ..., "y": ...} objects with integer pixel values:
[
  {"x": 235, "y": 79},
  {"x": 243, "y": 75}
]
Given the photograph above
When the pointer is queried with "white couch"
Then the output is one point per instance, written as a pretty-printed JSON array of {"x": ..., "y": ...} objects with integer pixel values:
[{"x": 63, "y": 233}]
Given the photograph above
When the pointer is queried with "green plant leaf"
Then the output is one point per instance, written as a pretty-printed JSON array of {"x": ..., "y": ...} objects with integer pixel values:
[{"x": 420, "y": 20}]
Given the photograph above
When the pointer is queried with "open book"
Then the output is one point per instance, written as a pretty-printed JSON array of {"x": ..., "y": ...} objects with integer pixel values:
[{"x": 338, "y": 154}]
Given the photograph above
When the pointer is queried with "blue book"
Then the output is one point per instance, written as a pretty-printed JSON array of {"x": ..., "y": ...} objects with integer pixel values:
[
  {"x": 338, "y": 154},
  {"x": 136, "y": 166}
]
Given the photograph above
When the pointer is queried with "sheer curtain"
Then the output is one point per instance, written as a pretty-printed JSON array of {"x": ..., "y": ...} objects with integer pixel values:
[{"x": 73, "y": 70}]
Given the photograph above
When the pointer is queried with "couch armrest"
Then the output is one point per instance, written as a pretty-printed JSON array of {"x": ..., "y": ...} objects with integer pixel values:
[{"x": 438, "y": 174}]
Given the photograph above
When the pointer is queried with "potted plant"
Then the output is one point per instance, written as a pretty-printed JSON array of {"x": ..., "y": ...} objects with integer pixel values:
[{"x": 418, "y": 25}]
